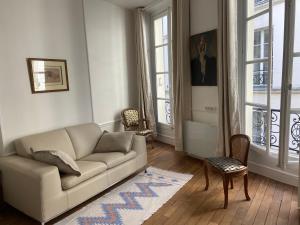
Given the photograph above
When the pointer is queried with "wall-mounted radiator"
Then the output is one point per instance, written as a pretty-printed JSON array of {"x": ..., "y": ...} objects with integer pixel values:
[{"x": 200, "y": 139}]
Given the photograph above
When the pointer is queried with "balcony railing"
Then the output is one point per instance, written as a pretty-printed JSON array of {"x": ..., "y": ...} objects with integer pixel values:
[
  {"x": 168, "y": 112},
  {"x": 260, "y": 79},
  {"x": 259, "y": 128}
]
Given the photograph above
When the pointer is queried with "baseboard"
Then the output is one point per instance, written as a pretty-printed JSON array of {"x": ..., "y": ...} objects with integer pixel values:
[
  {"x": 273, "y": 173},
  {"x": 165, "y": 139}
]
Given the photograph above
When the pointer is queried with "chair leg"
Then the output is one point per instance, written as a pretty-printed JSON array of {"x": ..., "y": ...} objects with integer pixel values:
[
  {"x": 206, "y": 176},
  {"x": 225, "y": 186},
  {"x": 246, "y": 187},
  {"x": 152, "y": 140},
  {"x": 231, "y": 183}
]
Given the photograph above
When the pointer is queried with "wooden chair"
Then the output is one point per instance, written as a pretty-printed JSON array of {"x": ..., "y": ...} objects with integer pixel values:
[
  {"x": 132, "y": 122},
  {"x": 233, "y": 166}
]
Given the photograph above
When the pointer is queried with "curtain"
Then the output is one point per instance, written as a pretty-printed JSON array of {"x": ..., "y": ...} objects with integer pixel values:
[
  {"x": 229, "y": 105},
  {"x": 181, "y": 68},
  {"x": 143, "y": 69}
]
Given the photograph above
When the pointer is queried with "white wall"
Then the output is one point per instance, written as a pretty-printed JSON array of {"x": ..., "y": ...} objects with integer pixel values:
[
  {"x": 111, "y": 53},
  {"x": 49, "y": 29},
  {"x": 204, "y": 17}
]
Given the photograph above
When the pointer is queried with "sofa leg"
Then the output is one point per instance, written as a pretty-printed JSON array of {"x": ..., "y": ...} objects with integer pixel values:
[{"x": 145, "y": 169}]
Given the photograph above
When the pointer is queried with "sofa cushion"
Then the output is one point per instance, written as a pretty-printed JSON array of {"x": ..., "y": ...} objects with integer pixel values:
[
  {"x": 61, "y": 160},
  {"x": 88, "y": 170},
  {"x": 115, "y": 142},
  {"x": 84, "y": 138},
  {"x": 54, "y": 140},
  {"x": 111, "y": 159}
]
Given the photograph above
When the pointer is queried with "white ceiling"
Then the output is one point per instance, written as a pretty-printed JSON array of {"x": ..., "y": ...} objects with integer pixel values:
[{"x": 131, "y": 4}]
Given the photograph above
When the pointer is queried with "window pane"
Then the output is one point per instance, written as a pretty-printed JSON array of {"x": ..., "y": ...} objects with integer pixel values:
[
  {"x": 161, "y": 30},
  {"x": 162, "y": 59},
  {"x": 256, "y": 6},
  {"x": 278, "y": 36},
  {"x": 257, "y": 82},
  {"x": 256, "y": 125},
  {"x": 297, "y": 27},
  {"x": 164, "y": 111},
  {"x": 162, "y": 86},
  {"x": 257, "y": 36},
  {"x": 295, "y": 103}
]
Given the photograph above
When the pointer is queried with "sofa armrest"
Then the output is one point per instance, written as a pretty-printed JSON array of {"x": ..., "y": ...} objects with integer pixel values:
[
  {"x": 139, "y": 145},
  {"x": 32, "y": 187}
]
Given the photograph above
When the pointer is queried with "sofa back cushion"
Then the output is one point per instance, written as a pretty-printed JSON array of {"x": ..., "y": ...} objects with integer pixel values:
[
  {"x": 58, "y": 140},
  {"x": 84, "y": 138}
]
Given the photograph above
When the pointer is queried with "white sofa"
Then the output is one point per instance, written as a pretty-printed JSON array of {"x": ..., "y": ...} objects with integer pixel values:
[{"x": 38, "y": 190}]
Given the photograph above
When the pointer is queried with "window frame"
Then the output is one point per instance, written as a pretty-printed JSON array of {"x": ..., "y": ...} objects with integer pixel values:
[
  {"x": 244, "y": 103},
  {"x": 154, "y": 16},
  {"x": 283, "y": 151}
]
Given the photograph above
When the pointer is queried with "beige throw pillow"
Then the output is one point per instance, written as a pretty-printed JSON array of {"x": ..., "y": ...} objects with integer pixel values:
[
  {"x": 115, "y": 142},
  {"x": 61, "y": 160}
]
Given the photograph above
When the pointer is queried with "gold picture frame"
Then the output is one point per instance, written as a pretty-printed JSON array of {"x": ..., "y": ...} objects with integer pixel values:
[{"x": 47, "y": 75}]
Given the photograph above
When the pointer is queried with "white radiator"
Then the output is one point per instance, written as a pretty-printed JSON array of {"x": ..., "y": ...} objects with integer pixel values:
[{"x": 200, "y": 139}]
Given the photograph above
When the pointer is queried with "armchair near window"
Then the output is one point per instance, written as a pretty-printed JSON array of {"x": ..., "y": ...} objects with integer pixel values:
[{"x": 132, "y": 122}]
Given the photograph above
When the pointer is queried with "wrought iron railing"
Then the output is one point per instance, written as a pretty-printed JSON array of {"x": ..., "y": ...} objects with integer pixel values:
[
  {"x": 168, "y": 112},
  {"x": 259, "y": 128},
  {"x": 260, "y": 79}
]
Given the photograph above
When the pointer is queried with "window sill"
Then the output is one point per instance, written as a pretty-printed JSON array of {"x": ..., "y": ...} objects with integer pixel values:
[{"x": 167, "y": 126}]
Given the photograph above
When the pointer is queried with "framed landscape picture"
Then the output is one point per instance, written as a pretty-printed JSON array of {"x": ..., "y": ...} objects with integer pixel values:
[
  {"x": 47, "y": 75},
  {"x": 204, "y": 59}
]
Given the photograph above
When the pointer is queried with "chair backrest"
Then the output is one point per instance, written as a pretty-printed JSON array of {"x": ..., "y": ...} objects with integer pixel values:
[
  {"x": 239, "y": 147},
  {"x": 130, "y": 119}
]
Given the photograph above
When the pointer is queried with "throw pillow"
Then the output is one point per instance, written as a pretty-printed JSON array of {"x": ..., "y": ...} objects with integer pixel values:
[
  {"x": 115, "y": 142},
  {"x": 61, "y": 160}
]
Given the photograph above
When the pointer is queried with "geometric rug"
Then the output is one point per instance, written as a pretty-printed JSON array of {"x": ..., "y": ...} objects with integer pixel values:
[{"x": 133, "y": 202}]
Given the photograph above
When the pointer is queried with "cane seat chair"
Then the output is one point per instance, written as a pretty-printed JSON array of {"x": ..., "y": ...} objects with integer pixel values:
[
  {"x": 233, "y": 166},
  {"x": 132, "y": 122}
]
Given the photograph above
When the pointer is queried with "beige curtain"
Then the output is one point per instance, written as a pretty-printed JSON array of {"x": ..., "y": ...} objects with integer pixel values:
[
  {"x": 229, "y": 116},
  {"x": 181, "y": 68},
  {"x": 143, "y": 69}
]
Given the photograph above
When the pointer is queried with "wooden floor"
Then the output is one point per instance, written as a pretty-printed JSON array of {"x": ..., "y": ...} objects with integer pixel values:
[{"x": 271, "y": 202}]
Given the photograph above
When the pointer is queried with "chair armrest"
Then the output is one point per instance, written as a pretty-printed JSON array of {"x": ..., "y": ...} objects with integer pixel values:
[{"x": 27, "y": 181}]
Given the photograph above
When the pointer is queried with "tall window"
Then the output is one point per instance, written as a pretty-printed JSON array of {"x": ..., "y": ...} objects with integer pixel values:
[
  {"x": 271, "y": 82},
  {"x": 261, "y": 51},
  {"x": 163, "y": 86}
]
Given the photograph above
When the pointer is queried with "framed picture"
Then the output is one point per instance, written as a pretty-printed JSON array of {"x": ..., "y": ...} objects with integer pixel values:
[
  {"x": 47, "y": 75},
  {"x": 204, "y": 59}
]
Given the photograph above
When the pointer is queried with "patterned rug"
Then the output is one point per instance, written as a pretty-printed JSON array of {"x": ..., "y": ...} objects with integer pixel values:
[{"x": 132, "y": 202}]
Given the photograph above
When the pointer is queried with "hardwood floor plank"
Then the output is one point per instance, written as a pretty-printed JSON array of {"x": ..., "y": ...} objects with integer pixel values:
[
  {"x": 294, "y": 217},
  {"x": 284, "y": 211},
  {"x": 243, "y": 206},
  {"x": 263, "y": 210},
  {"x": 275, "y": 206}
]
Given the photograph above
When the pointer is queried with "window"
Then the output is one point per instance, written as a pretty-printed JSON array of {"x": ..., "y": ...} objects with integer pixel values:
[
  {"x": 261, "y": 51},
  {"x": 270, "y": 82},
  {"x": 163, "y": 93}
]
